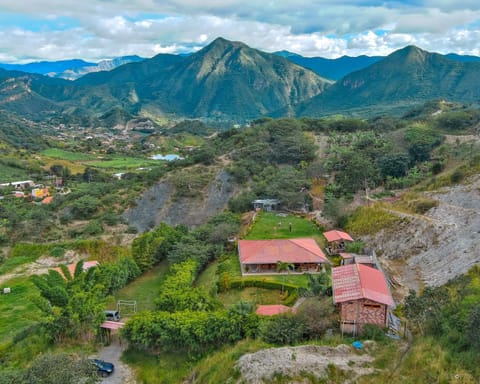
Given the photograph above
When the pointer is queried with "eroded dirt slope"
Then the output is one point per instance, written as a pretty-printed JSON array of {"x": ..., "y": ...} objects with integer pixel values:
[
  {"x": 433, "y": 248},
  {"x": 159, "y": 204}
]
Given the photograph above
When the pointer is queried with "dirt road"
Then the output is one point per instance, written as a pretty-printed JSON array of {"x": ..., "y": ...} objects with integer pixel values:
[{"x": 122, "y": 374}]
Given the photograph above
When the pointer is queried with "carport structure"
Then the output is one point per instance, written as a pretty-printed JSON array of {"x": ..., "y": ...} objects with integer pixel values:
[{"x": 108, "y": 327}]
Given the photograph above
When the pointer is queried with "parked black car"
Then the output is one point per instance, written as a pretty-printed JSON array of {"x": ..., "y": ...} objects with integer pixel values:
[{"x": 104, "y": 368}]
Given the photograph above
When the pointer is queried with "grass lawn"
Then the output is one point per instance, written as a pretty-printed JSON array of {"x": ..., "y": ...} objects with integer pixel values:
[
  {"x": 269, "y": 225},
  {"x": 173, "y": 368},
  {"x": 17, "y": 310},
  {"x": 144, "y": 289},
  {"x": 163, "y": 368},
  {"x": 260, "y": 296},
  {"x": 298, "y": 280},
  {"x": 208, "y": 278}
]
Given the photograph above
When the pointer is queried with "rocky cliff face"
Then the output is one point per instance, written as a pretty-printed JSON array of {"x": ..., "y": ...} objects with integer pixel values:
[
  {"x": 160, "y": 204},
  {"x": 433, "y": 248}
]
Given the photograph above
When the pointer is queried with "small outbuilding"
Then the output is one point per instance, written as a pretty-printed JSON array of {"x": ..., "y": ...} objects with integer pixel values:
[
  {"x": 337, "y": 241},
  {"x": 265, "y": 204},
  {"x": 362, "y": 296}
]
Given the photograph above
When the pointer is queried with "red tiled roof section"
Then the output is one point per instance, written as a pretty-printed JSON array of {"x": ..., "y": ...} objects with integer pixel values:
[
  {"x": 47, "y": 200},
  {"x": 272, "y": 310},
  {"x": 358, "y": 281},
  {"x": 112, "y": 325},
  {"x": 86, "y": 265},
  {"x": 336, "y": 235},
  {"x": 284, "y": 250}
]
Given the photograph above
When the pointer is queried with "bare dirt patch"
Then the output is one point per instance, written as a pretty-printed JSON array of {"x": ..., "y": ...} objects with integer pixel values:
[
  {"x": 261, "y": 366},
  {"x": 42, "y": 265}
]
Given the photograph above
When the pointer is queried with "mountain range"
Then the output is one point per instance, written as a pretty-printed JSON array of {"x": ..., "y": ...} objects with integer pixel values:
[
  {"x": 70, "y": 69},
  {"x": 407, "y": 77},
  {"x": 230, "y": 82},
  {"x": 333, "y": 69}
]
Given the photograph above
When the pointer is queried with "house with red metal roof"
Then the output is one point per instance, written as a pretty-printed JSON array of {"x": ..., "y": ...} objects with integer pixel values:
[
  {"x": 337, "y": 241},
  {"x": 362, "y": 296},
  {"x": 263, "y": 256}
]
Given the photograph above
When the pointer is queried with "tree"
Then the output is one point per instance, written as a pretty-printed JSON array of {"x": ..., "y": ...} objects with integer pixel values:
[
  {"x": 283, "y": 329},
  {"x": 356, "y": 172},
  {"x": 424, "y": 310},
  {"x": 60, "y": 368},
  {"x": 178, "y": 294},
  {"x": 473, "y": 327},
  {"x": 317, "y": 316},
  {"x": 191, "y": 248},
  {"x": 85, "y": 206},
  {"x": 190, "y": 331},
  {"x": 394, "y": 165},
  {"x": 283, "y": 267},
  {"x": 73, "y": 305},
  {"x": 318, "y": 284}
]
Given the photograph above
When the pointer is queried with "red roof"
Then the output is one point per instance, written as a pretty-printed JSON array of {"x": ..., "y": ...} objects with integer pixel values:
[
  {"x": 358, "y": 281},
  {"x": 47, "y": 200},
  {"x": 335, "y": 235},
  {"x": 287, "y": 251},
  {"x": 112, "y": 325},
  {"x": 272, "y": 310},
  {"x": 86, "y": 265}
]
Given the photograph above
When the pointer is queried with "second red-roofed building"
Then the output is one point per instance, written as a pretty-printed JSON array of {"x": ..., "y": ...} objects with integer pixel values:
[
  {"x": 362, "y": 296},
  {"x": 337, "y": 241}
]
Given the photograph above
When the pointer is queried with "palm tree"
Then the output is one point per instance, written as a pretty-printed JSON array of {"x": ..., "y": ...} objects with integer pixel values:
[{"x": 283, "y": 266}]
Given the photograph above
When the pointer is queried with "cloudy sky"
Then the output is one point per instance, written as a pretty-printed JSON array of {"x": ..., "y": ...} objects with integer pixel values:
[{"x": 32, "y": 30}]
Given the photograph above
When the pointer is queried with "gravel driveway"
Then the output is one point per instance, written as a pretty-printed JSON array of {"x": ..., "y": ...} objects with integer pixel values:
[{"x": 122, "y": 374}]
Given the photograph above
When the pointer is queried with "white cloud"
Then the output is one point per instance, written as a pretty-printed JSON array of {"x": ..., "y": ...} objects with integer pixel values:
[{"x": 329, "y": 28}]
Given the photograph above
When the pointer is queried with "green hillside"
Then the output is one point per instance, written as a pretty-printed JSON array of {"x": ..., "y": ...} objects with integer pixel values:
[{"x": 405, "y": 78}]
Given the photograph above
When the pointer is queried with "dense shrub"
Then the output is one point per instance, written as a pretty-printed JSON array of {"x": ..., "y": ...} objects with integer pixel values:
[
  {"x": 192, "y": 331},
  {"x": 457, "y": 176},
  {"x": 422, "y": 206},
  {"x": 373, "y": 332},
  {"x": 283, "y": 329},
  {"x": 116, "y": 275},
  {"x": 85, "y": 206},
  {"x": 177, "y": 293},
  {"x": 318, "y": 316}
]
